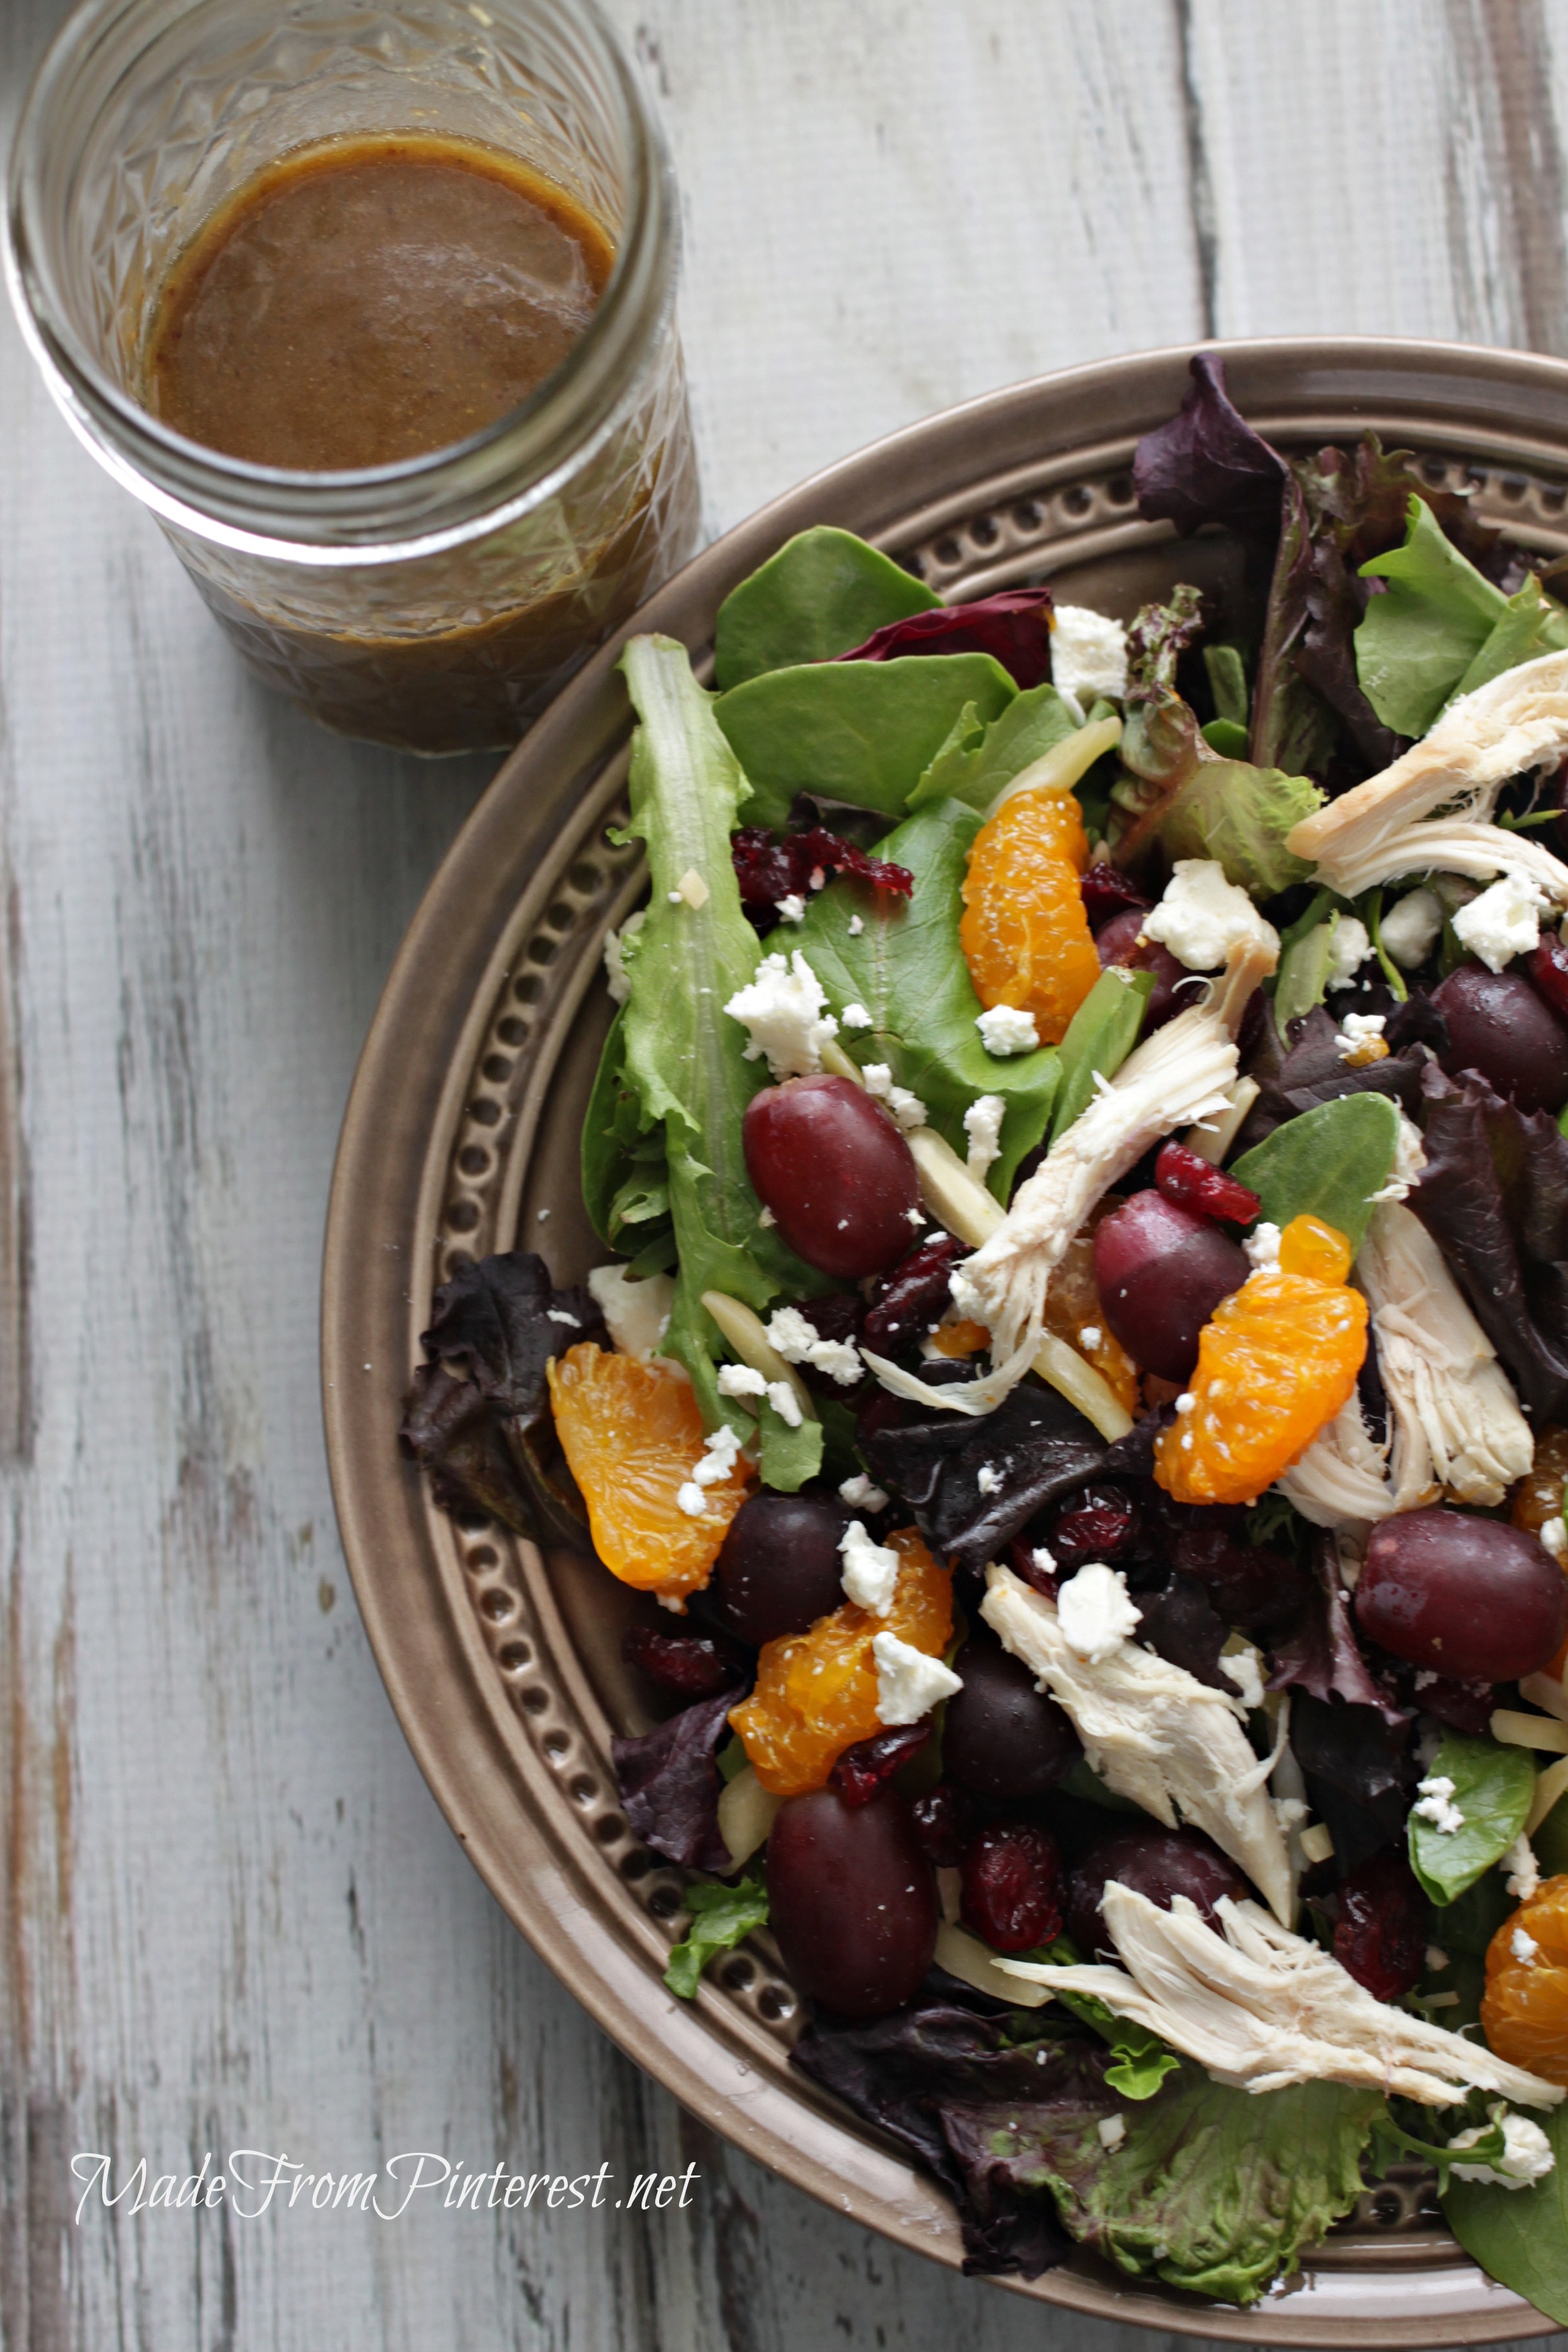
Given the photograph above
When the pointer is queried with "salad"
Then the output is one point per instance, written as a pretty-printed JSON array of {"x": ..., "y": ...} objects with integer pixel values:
[{"x": 1079, "y": 1361}]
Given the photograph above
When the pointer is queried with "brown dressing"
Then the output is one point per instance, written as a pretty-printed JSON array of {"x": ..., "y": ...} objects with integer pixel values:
[{"x": 370, "y": 301}]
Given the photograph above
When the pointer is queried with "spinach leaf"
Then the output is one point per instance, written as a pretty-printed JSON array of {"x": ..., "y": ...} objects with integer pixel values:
[
  {"x": 1493, "y": 1786},
  {"x": 790, "y": 1455},
  {"x": 905, "y": 966},
  {"x": 1100, "y": 1035},
  {"x": 861, "y": 732},
  {"x": 976, "y": 761},
  {"x": 685, "y": 1060},
  {"x": 721, "y": 1917},
  {"x": 823, "y": 592},
  {"x": 1327, "y": 1163},
  {"x": 1519, "y": 2236}
]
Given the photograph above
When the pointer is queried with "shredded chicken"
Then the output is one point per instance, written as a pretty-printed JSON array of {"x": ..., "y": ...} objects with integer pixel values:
[
  {"x": 1183, "y": 1072},
  {"x": 1155, "y": 1734},
  {"x": 1456, "y": 1421},
  {"x": 1430, "y": 812},
  {"x": 1261, "y": 2007},
  {"x": 1343, "y": 1473}
]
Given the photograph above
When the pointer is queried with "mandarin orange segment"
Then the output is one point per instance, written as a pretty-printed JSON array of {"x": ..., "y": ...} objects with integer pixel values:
[
  {"x": 1524, "y": 2010},
  {"x": 816, "y": 1692},
  {"x": 632, "y": 1436},
  {"x": 1025, "y": 934},
  {"x": 1277, "y": 1361}
]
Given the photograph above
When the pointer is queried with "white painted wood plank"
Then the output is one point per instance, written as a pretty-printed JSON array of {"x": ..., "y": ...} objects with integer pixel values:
[{"x": 230, "y": 1912}]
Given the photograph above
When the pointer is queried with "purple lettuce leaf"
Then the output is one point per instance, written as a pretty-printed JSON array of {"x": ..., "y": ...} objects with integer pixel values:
[
  {"x": 1494, "y": 1197},
  {"x": 1013, "y": 627},
  {"x": 1034, "y": 1442},
  {"x": 671, "y": 1784},
  {"x": 1307, "y": 1071},
  {"x": 1318, "y": 1652},
  {"x": 1178, "y": 1622},
  {"x": 1358, "y": 1770},
  {"x": 1207, "y": 465}
]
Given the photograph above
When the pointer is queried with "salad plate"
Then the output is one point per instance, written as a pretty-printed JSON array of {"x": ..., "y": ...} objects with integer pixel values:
[{"x": 502, "y": 1655}]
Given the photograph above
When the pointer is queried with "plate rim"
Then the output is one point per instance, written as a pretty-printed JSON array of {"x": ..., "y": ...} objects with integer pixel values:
[{"x": 489, "y": 1785}]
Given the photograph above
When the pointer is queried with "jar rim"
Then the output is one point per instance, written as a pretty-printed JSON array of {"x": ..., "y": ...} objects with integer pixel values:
[{"x": 417, "y": 505}]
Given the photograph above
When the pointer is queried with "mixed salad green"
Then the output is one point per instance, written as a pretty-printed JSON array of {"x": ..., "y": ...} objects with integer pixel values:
[{"x": 1081, "y": 1359}]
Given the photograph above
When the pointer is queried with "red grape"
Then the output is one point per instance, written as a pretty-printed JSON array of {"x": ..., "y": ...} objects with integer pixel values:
[
  {"x": 778, "y": 1568},
  {"x": 1107, "y": 891},
  {"x": 1548, "y": 970},
  {"x": 1156, "y": 1862},
  {"x": 1118, "y": 942},
  {"x": 851, "y": 1900},
  {"x": 1010, "y": 1894},
  {"x": 1380, "y": 1936},
  {"x": 1002, "y": 1739},
  {"x": 835, "y": 1172},
  {"x": 1467, "y": 1598},
  {"x": 1498, "y": 1025},
  {"x": 1160, "y": 1271}
]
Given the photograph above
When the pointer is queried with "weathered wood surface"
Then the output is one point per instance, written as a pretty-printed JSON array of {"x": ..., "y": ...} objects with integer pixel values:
[{"x": 231, "y": 1914}]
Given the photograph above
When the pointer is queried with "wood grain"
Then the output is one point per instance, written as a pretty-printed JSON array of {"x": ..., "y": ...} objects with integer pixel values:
[{"x": 229, "y": 1913}]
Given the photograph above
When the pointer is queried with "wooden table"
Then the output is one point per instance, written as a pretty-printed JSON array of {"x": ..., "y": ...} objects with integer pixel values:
[{"x": 232, "y": 1915}]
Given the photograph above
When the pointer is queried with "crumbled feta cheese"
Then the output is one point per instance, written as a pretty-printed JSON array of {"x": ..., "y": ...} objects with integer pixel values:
[
  {"x": 798, "y": 1341},
  {"x": 1044, "y": 1560},
  {"x": 1409, "y": 1159},
  {"x": 870, "y": 1570},
  {"x": 1241, "y": 1667},
  {"x": 1348, "y": 948},
  {"x": 1005, "y": 1030},
  {"x": 861, "y": 1494},
  {"x": 1437, "y": 1959},
  {"x": 1527, "y": 2154},
  {"x": 1187, "y": 1403},
  {"x": 906, "y": 1108},
  {"x": 1503, "y": 922},
  {"x": 1289, "y": 1812},
  {"x": 559, "y": 1315},
  {"x": 1262, "y": 1247},
  {"x": 857, "y": 925},
  {"x": 1434, "y": 1803},
  {"x": 1088, "y": 653},
  {"x": 691, "y": 1498},
  {"x": 741, "y": 1381},
  {"x": 616, "y": 945},
  {"x": 983, "y": 1126},
  {"x": 1523, "y": 1869},
  {"x": 909, "y": 1683},
  {"x": 1096, "y": 1613},
  {"x": 855, "y": 1016},
  {"x": 782, "y": 1008},
  {"x": 791, "y": 909},
  {"x": 719, "y": 1456},
  {"x": 1409, "y": 929},
  {"x": 674, "y": 897},
  {"x": 989, "y": 1479},
  {"x": 1112, "y": 2131},
  {"x": 1523, "y": 1945},
  {"x": 766, "y": 1218},
  {"x": 1359, "y": 1039},
  {"x": 817, "y": 879},
  {"x": 785, "y": 1403},
  {"x": 674, "y": 1601},
  {"x": 1090, "y": 1338},
  {"x": 1553, "y": 1534},
  {"x": 692, "y": 888},
  {"x": 1202, "y": 915},
  {"x": 636, "y": 1313}
]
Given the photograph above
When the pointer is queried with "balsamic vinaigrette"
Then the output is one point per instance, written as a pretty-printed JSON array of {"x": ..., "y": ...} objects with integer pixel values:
[{"x": 372, "y": 299}]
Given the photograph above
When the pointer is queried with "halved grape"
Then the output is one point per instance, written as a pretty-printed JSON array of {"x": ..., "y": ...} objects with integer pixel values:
[
  {"x": 1464, "y": 1597},
  {"x": 778, "y": 1568},
  {"x": 851, "y": 1900},
  {"x": 837, "y": 1175},
  {"x": 1157, "y": 1863},
  {"x": 1161, "y": 1271}
]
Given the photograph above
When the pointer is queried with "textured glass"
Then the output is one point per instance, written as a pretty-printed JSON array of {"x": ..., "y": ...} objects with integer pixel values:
[{"x": 437, "y": 605}]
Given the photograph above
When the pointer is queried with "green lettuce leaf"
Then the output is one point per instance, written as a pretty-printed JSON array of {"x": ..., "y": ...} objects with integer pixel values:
[
  {"x": 1519, "y": 2236},
  {"x": 1531, "y": 623},
  {"x": 905, "y": 967},
  {"x": 859, "y": 732},
  {"x": 1327, "y": 1163},
  {"x": 721, "y": 1917},
  {"x": 976, "y": 761},
  {"x": 685, "y": 1061},
  {"x": 1493, "y": 1786},
  {"x": 825, "y": 592},
  {"x": 1230, "y": 810},
  {"x": 1100, "y": 1035},
  {"x": 789, "y": 1455},
  {"x": 1211, "y": 2189}
]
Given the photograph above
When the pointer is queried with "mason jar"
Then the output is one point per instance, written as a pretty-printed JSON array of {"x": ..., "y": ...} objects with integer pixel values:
[{"x": 436, "y": 603}]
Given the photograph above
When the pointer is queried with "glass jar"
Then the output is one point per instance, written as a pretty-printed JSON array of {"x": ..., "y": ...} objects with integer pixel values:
[{"x": 436, "y": 604}]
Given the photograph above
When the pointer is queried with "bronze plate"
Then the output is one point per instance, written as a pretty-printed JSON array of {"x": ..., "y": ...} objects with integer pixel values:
[{"x": 461, "y": 1137}]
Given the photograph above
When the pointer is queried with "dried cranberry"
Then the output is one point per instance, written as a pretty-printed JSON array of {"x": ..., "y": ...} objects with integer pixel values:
[
  {"x": 764, "y": 868},
  {"x": 1098, "y": 1523},
  {"x": 1039, "y": 1578},
  {"x": 1379, "y": 1937},
  {"x": 1548, "y": 972},
  {"x": 1189, "y": 1180},
  {"x": 768, "y": 870},
  {"x": 862, "y": 1769},
  {"x": 818, "y": 847},
  {"x": 943, "y": 1819},
  {"x": 911, "y": 1300},
  {"x": 687, "y": 1665},
  {"x": 1011, "y": 1890},
  {"x": 1106, "y": 891}
]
